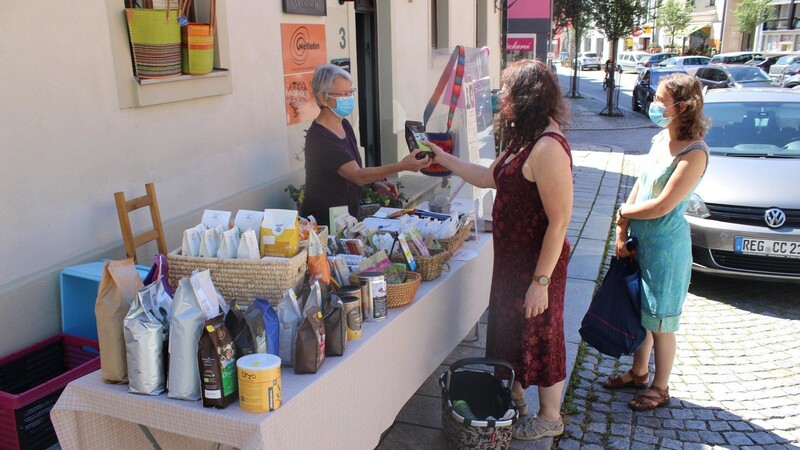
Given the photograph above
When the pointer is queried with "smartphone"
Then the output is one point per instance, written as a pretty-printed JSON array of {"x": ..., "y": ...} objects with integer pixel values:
[{"x": 415, "y": 135}]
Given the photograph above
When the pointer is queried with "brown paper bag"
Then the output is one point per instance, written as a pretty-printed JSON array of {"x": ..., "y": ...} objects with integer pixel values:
[{"x": 116, "y": 292}]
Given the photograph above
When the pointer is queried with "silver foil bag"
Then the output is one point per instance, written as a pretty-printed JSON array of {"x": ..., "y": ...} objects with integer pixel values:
[
  {"x": 145, "y": 335},
  {"x": 186, "y": 325}
]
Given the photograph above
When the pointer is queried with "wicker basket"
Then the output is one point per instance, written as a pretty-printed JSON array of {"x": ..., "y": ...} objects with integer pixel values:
[
  {"x": 455, "y": 242},
  {"x": 401, "y": 294},
  {"x": 244, "y": 279},
  {"x": 322, "y": 234},
  {"x": 430, "y": 267}
]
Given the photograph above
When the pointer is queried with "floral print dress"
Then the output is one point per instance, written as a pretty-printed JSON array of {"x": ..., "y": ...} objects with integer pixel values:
[{"x": 535, "y": 347}]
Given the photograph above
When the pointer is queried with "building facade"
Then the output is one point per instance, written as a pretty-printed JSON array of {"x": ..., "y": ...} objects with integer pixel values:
[{"x": 77, "y": 125}]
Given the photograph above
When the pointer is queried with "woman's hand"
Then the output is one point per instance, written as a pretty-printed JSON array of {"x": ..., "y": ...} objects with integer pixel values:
[
  {"x": 411, "y": 163},
  {"x": 621, "y": 221},
  {"x": 536, "y": 300},
  {"x": 386, "y": 188},
  {"x": 622, "y": 237},
  {"x": 437, "y": 151}
]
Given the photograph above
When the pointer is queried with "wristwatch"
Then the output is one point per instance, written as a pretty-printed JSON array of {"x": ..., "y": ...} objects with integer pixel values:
[{"x": 544, "y": 280}]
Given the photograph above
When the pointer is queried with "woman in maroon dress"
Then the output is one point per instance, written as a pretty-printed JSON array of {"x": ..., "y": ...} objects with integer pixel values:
[{"x": 532, "y": 209}]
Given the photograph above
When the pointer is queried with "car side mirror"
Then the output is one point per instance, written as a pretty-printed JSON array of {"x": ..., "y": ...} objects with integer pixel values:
[{"x": 723, "y": 84}]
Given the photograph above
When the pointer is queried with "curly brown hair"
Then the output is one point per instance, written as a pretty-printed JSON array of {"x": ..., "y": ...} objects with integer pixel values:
[
  {"x": 533, "y": 98},
  {"x": 687, "y": 91}
]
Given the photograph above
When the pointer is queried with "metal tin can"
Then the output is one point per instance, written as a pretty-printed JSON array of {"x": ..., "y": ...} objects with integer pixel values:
[
  {"x": 373, "y": 296},
  {"x": 352, "y": 314}
]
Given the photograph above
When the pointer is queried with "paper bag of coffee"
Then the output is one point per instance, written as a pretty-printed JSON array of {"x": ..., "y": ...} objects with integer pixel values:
[
  {"x": 117, "y": 290},
  {"x": 248, "y": 246},
  {"x": 289, "y": 316},
  {"x": 280, "y": 233},
  {"x": 213, "y": 218},
  {"x": 309, "y": 346},
  {"x": 258, "y": 331},
  {"x": 240, "y": 332},
  {"x": 190, "y": 246},
  {"x": 335, "y": 328},
  {"x": 210, "y": 241},
  {"x": 229, "y": 244},
  {"x": 216, "y": 356},
  {"x": 272, "y": 325},
  {"x": 317, "y": 260},
  {"x": 145, "y": 338}
]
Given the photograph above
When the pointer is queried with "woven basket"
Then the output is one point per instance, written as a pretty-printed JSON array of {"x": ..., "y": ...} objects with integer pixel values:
[
  {"x": 322, "y": 234},
  {"x": 244, "y": 279},
  {"x": 430, "y": 267},
  {"x": 401, "y": 294},
  {"x": 455, "y": 242},
  {"x": 155, "y": 37}
]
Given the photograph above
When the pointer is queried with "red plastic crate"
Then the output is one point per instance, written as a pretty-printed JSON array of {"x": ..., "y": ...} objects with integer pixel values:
[{"x": 31, "y": 381}]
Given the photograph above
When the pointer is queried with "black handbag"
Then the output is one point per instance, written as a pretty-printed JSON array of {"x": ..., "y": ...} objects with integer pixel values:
[{"x": 613, "y": 323}]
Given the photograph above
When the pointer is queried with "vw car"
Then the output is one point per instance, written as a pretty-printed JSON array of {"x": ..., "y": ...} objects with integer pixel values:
[
  {"x": 645, "y": 88},
  {"x": 780, "y": 67},
  {"x": 626, "y": 61},
  {"x": 737, "y": 75},
  {"x": 653, "y": 59},
  {"x": 745, "y": 213}
]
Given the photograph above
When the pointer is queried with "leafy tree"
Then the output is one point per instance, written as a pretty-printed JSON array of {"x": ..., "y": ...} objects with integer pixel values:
[
  {"x": 673, "y": 17},
  {"x": 752, "y": 13},
  {"x": 578, "y": 15},
  {"x": 616, "y": 19}
]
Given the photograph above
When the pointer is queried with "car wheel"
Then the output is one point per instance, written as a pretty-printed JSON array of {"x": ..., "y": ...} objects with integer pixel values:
[
  {"x": 634, "y": 103},
  {"x": 791, "y": 85},
  {"x": 579, "y": 67},
  {"x": 619, "y": 69},
  {"x": 646, "y": 108}
]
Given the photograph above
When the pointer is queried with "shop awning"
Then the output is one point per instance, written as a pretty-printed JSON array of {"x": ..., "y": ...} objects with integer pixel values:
[{"x": 692, "y": 27}]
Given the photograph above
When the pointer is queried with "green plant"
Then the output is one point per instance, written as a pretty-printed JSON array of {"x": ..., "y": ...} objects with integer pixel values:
[{"x": 368, "y": 195}]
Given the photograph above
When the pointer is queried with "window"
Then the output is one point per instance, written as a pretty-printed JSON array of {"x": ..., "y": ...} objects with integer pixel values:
[
  {"x": 712, "y": 2},
  {"x": 434, "y": 25},
  {"x": 134, "y": 92}
]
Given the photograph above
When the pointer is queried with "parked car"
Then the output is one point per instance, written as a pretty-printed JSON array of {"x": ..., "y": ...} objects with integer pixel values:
[
  {"x": 765, "y": 61},
  {"x": 745, "y": 213},
  {"x": 626, "y": 61},
  {"x": 734, "y": 57},
  {"x": 588, "y": 60},
  {"x": 653, "y": 59},
  {"x": 687, "y": 63},
  {"x": 726, "y": 76},
  {"x": 645, "y": 88},
  {"x": 781, "y": 65},
  {"x": 792, "y": 81}
]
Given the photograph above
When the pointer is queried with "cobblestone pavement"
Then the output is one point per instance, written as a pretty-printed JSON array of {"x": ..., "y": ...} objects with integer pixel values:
[{"x": 735, "y": 382}]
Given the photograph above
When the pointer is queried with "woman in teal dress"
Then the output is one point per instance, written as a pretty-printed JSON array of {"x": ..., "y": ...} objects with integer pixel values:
[{"x": 654, "y": 214}]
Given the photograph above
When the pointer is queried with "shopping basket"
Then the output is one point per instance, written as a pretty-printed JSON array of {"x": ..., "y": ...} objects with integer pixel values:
[{"x": 489, "y": 401}]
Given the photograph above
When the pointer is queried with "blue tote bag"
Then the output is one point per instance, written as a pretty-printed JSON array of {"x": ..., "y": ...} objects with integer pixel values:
[{"x": 613, "y": 323}]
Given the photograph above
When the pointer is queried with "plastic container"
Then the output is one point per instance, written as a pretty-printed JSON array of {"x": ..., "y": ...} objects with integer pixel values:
[
  {"x": 32, "y": 379},
  {"x": 78, "y": 295}
]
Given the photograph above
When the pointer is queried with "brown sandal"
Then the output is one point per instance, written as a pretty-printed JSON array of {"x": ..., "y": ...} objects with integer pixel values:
[
  {"x": 645, "y": 402},
  {"x": 637, "y": 381}
]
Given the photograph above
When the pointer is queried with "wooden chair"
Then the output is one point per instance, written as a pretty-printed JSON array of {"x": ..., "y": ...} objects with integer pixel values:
[{"x": 155, "y": 234}]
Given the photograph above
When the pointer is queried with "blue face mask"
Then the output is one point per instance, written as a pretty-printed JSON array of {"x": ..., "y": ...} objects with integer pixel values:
[
  {"x": 656, "y": 113},
  {"x": 344, "y": 106}
]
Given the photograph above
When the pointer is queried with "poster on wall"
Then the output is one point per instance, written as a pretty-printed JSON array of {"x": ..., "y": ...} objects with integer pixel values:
[
  {"x": 520, "y": 46},
  {"x": 304, "y": 48}
]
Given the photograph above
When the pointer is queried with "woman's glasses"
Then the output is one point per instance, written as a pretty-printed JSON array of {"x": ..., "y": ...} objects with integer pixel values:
[{"x": 342, "y": 94}]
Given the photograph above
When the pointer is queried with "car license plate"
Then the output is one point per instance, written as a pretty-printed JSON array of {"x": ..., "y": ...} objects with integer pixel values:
[{"x": 766, "y": 247}]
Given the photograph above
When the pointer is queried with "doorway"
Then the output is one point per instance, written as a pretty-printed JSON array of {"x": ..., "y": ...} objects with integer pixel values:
[{"x": 367, "y": 63}]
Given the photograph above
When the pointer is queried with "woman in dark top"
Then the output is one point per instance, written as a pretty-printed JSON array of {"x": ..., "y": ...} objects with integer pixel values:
[{"x": 334, "y": 170}]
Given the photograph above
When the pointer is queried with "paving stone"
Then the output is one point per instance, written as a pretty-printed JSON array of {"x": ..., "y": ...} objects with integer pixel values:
[
  {"x": 740, "y": 426},
  {"x": 736, "y": 438},
  {"x": 649, "y": 422},
  {"x": 760, "y": 437},
  {"x": 663, "y": 413},
  {"x": 671, "y": 443},
  {"x": 592, "y": 447},
  {"x": 667, "y": 434},
  {"x": 646, "y": 439},
  {"x": 573, "y": 431},
  {"x": 695, "y": 424},
  {"x": 642, "y": 445},
  {"x": 689, "y": 436},
  {"x": 673, "y": 424},
  {"x": 593, "y": 438},
  {"x": 599, "y": 428},
  {"x": 619, "y": 443},
  {"x": 712, "y": 437},
  {"x": 569, "y": 444},
  {"x": 621, "y": 430}
]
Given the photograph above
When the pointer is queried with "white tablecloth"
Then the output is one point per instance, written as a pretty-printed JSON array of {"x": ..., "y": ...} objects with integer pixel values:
[{"x": 349, "y": 403}]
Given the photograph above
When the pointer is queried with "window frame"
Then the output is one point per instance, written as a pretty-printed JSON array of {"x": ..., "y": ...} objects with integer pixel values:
[{"x": 134, "y": 93}]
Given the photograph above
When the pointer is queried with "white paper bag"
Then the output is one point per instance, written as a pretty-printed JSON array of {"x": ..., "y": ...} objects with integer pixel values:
[
  {"x": 209, "y": 245},
  {"x": 229, "y": 245},
  {"x": 249, "y": 220},
  {"x": 213, "y": 219},
  {"x": 191, "y": 241},
  {"x": 248, "y": 246},
  {"x": 207, "y": 295}
]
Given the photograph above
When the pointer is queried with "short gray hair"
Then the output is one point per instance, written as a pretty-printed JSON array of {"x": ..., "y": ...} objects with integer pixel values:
[{"x": 323, "y": 80}]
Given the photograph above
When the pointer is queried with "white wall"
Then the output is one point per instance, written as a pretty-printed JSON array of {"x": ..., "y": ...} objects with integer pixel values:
[{"x": 66, "y": 145}]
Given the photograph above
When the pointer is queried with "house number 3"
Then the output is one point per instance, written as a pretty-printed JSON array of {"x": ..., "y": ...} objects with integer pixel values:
[{"x": 342, "y": 42}]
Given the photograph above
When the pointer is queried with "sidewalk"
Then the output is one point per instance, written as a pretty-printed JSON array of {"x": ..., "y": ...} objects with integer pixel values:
[{"x": 597, "y": 175}]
